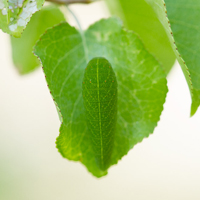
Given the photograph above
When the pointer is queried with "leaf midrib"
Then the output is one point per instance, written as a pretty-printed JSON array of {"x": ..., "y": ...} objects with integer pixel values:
[{"x": 99, "y": 107}]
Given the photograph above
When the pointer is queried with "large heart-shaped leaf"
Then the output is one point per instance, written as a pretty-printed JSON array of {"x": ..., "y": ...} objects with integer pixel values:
[
  {"x": 15, "y": 14},
  {"x": 64, "y": 53}
]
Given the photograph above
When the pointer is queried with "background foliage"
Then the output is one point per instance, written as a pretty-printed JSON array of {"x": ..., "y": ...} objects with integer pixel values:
[{"x": 165, "y": 28}]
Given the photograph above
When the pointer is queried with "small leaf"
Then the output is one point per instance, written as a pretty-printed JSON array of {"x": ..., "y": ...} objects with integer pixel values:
[
  {"x": 22, "y": 48},
  {"x": 181, "y": 21},
  {"x": 100, "y": 101},
  {"x": 15, "y": 14},
  {"x": 142, "y": 87},
  {"x": 141, "y": 18}
]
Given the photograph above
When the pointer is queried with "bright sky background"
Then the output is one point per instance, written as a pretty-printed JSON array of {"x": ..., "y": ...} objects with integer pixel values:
[{"x": 165, "y": 166}]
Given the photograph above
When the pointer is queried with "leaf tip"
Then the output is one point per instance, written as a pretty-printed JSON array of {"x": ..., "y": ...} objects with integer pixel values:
[{"x": 194, "y": 108}]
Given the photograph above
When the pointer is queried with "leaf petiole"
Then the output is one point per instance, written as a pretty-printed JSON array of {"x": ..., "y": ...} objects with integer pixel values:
[{"x": 80, "y": 31}]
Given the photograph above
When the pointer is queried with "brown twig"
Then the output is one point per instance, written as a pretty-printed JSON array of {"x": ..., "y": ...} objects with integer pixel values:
[{"x": 71, "y": 1}]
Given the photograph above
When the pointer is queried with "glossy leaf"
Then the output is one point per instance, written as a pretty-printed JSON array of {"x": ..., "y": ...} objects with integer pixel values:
[
  {"x": 141, "y": 18},
  {"x": 100, "y": 101},
  {"x": 181, "y": 22},
  {"x": 142, "y": 88},
  {"x": 15, "y": 14},
  {"x": 22, "y": 48}
]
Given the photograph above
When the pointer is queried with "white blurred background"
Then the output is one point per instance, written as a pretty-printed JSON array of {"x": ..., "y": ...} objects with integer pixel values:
[{"x": 165, "y": 166}]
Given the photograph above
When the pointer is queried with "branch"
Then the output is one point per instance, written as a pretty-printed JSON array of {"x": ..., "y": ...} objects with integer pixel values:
[{"x": 71, "y": 1}]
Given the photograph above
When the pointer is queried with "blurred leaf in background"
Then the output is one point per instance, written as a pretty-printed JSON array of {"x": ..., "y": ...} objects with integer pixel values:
[
  {"x": 139, "y": 16},
  {"x": 184, "y": 19},
  {"x": 183, "y": 28},
  {"x": 22, "y": 48}
]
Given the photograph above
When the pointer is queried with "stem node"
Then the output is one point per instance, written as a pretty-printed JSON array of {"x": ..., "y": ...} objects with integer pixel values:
[{"x": 71, "y": 1}]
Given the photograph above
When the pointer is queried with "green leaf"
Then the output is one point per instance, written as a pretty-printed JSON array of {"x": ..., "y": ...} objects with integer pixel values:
[
  {"x": 100, "y": 101},
  {"x": 142, "y": 88},
  {"x": 15, "y": 14},
  {"x": 183, "y": 29},
  {"x": 141, "y": 18},
  {"x": 22, "y": 48}
]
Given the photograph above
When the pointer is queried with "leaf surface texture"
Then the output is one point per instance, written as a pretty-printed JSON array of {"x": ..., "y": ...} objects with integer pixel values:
[
  {"x": 15, "y": 14},
  {"x": 142, "y": 88}
]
